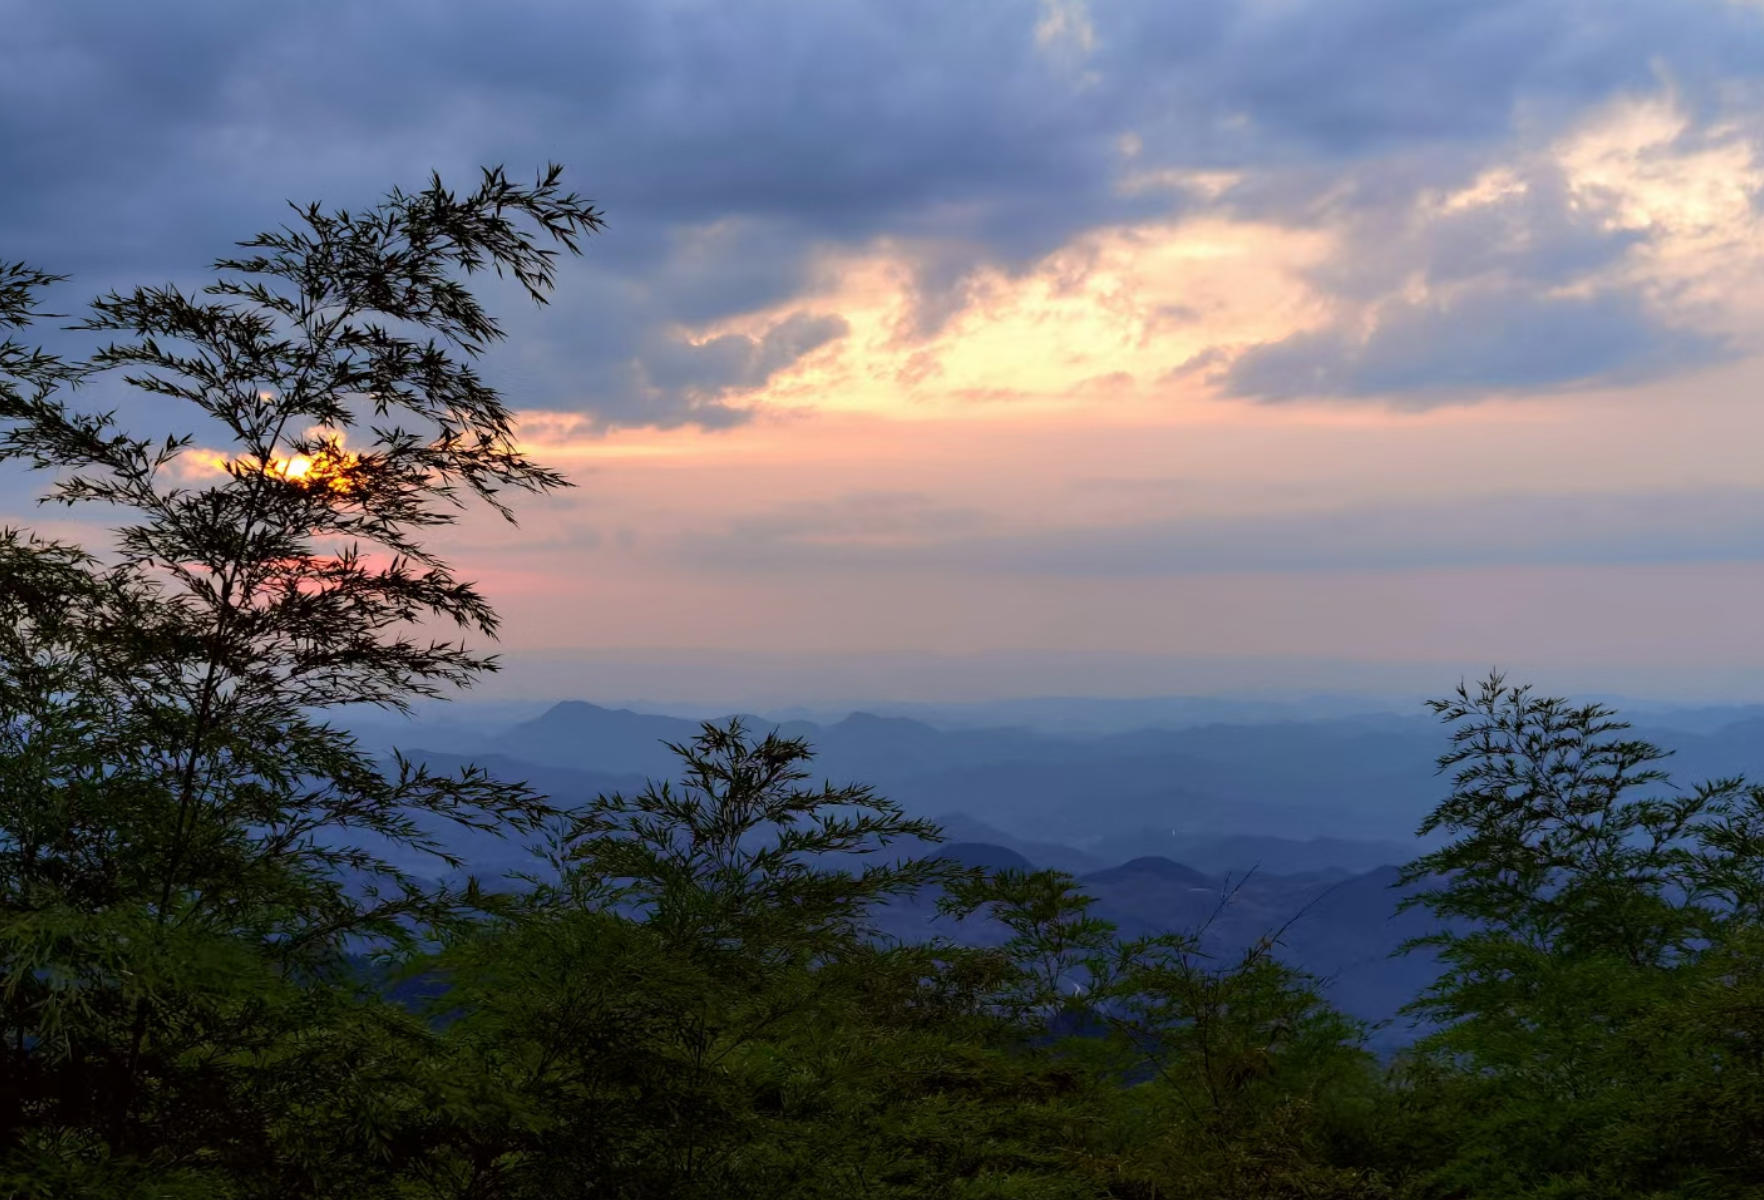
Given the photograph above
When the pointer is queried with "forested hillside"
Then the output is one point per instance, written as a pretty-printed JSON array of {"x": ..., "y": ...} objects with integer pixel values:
[{"x": 240, "y": 957}]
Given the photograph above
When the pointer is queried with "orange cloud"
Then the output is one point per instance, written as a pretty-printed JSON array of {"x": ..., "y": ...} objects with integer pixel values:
[
  {"x": 1641, "y": 166},
  {"x": 1111, "y": 315},
  {"x": 329, "y": 465},
  {"x": 1074, "y": 395}
]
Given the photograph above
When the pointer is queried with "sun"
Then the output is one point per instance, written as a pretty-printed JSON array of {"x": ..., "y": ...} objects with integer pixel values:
[{"x": 328, "y": 468}]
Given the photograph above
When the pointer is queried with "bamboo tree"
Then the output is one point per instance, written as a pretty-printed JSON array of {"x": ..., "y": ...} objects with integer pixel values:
[
  {"x": 185, "y": 842},
  {"x": 1594, "y": 920}
]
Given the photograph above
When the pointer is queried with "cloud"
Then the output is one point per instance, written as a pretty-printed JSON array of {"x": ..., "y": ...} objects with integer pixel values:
[
  {"x": 1508, "y": 339},
  {"x": 1713, "y": 525},
  {"x": 863, "y": 520},
  {"x": 734, "y": 149},
  {"x": 674, "y": 379},
  {"x": 1609, "y": 255},
  {"x": 841, "y": 119}
]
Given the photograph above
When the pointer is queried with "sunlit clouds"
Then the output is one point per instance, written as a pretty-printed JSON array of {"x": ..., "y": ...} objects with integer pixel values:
[
  {"x": 329, "y": 468},
  {"x": 1326, "y": 329},
  {"x": 1116, "y": 313},
  {"x": 1690, "y": 193},
  {"x": 320, "y": 463},
  {"x": 1058, "y": 461},
  {"x": 1634, "y": 233}
]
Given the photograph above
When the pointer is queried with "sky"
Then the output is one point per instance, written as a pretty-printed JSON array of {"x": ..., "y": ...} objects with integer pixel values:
[{"x": 947, "y": 350}]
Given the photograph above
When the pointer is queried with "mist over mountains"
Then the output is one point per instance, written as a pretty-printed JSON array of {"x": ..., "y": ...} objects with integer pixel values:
[
  {"x": 1236, "y": 829},
  {"x": 1355, "y": 784}
]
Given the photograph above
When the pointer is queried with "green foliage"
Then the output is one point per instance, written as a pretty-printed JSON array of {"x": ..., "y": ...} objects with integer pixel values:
[
  {"x": 1596, "y": 1037},
  {"x": 728, "y": 861},
  {"x": 697, "y": 1008},
  {"x": 1209, "y": 1078},
  {"x": 188, "y": 853}
]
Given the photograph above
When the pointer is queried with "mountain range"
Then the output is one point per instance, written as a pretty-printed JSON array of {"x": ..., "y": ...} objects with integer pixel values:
[
  {"x": 1240, "y": 829},
  {"x": 1342, "y": 782}
]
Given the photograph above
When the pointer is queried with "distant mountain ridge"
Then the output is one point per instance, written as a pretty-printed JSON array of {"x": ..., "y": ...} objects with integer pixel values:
[
  {"x": 1344, "y": 930},
  {"x": 1239, "y": 830},
  {"x": 1351, "y": 791},
  {"x": 1151, "y": 868},
  {"x": 1033, "y": 784}
]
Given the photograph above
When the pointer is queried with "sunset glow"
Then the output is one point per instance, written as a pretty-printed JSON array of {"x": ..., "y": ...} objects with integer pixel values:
[
  {"x": 1081, "y": 329},
  {"x": 330, "y": 468}
]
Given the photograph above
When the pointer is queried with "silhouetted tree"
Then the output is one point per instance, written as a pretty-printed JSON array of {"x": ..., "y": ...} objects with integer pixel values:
[
  {"x": 188, "y": 852},
  {"x": 1598, "y": 1005}
]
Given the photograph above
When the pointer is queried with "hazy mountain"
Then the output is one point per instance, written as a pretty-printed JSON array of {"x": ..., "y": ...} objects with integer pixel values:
[
  {"x": 583, "y": 736},
  {"x": 1344, "y": 930},
  {"x": 1346, "y": 791},
  {"x": 1736, "y": 748},
  {"x": 1087, "y": 717},
  {"x": 1162, "y": 826},
  {"x": 984, "y": 856},
  {"x": 1083, "y": 800},
  {"x": 486, "y": 853},
  {"x": 1241, "y": 853},
  {"x": 960, "y": 827},
  {"x": 586, "y": 736},
  {"x": 1699, "y": 719},
  {"x": 1075, "y": 717}
]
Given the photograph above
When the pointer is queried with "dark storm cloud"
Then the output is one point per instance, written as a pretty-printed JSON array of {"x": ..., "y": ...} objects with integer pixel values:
[{"x": 728, "y": 143}]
